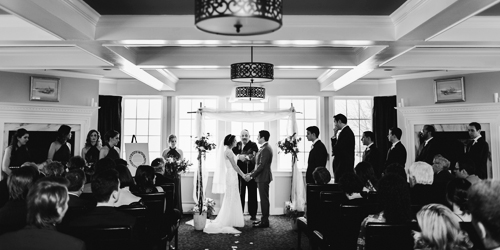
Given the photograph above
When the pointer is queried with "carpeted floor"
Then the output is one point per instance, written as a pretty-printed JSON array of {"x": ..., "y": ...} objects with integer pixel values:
[{"x": 278, "y": 236}]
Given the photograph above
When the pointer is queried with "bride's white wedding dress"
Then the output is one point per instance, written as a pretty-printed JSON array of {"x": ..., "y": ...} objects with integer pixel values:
[{"x": 231, "y": 213}]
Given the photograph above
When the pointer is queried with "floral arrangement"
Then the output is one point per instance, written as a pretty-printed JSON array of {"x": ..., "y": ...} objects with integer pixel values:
[
  {"x": 203, "y": 145},
  {"x": 290, "y": 210},
  {"x": 289, "y": 145},
  {"x": 208, "y": 207},
  {"x": 175, "y": 168}
]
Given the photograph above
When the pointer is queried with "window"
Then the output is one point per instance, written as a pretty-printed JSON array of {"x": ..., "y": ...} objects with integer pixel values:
[
  {"x": 252, "y": 127},
  {"x": 359, "y": 118},
  {"x": 142, "y": 118},
  {"x": 186, "y": 127},
  {"x": 308, "y": 117}
]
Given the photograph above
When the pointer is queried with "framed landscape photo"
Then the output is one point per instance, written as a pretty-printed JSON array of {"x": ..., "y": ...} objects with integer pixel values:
[
  {"x": 449, "y": 90},
  {"x": 45, "y": 89}
]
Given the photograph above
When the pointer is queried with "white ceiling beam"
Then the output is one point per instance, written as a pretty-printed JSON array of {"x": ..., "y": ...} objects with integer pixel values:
[
  {"x": 65, "y": 19},
  {"x": 431, "y": 18}
]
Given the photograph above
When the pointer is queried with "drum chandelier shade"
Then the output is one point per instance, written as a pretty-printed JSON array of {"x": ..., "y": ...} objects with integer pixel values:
[
  {"x": 238, "y": 17},
  {"x": 250, "y": 92},
  {"x": 253, "y": 72}
]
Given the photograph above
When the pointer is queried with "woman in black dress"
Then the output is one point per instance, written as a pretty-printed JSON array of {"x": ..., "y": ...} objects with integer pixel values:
[
  {"x": 92, "y": 147},
  {"x": 60, "y": 149},
  {"x": 175, "y": 153},
  {"x": 109, "y": 149},
  {"x": 16, "y": 153}
]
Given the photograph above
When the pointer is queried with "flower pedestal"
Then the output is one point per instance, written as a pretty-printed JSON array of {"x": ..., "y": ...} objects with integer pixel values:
[
  {"x": 199, "y": 220},
  {"x": 294, "y": 224}
]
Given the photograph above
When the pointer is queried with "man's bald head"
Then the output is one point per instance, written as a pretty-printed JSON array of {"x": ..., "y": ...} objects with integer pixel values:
[{"x": 245, "y": 136}]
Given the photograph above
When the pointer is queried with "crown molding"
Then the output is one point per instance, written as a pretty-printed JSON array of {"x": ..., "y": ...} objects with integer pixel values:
[
  {"x": 46, "y": 108},
  {"x": 84, "y": 10},
  {"x": 433, "y": 74}
]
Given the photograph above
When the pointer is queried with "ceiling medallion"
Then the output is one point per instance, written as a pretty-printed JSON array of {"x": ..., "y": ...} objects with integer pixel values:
[{"x": 238, "y": 17}]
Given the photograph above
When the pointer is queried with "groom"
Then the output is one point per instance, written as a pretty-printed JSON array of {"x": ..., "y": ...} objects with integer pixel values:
[{"x": 263, "y": 176}]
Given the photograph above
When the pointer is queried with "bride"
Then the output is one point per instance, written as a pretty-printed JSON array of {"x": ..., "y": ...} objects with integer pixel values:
[{"x": 231, "y": 213}]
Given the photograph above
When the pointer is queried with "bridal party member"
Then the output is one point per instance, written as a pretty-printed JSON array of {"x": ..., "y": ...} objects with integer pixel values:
[
  {"x": 60, "y": 149},
  {"x": 16, "y": 153},
  {"x": 92, "y": 147},
  {"x": 109, "y": 149},
  {"x": 172, "y": 151}
]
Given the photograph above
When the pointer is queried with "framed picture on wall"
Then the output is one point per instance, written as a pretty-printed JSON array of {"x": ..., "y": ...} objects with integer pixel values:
[
  {"x": 449, "y": 90},
  {"x": 45, "y": 89}
]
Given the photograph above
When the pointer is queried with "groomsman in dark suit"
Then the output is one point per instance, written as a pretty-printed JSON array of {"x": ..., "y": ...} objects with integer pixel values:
[
  {"x": 397, "y": 153},
  {"x": 371, "y": 153},
  {"x": 343, "y": 145},
  {"x": 318, "y": 154},
  {"x": 429, "y": 145},
  {"x": 246, "y": 150},
  {"x": 478, "y": 150}
]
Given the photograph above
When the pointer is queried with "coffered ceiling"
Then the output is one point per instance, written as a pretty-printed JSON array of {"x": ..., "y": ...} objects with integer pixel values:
[{"x": 335, "y": 42}]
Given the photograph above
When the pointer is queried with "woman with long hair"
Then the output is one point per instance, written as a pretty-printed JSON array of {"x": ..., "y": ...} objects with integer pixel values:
[
  {"x": 456, "y": 194},
  {"x": 367, "y": 175},
  {"x": 394, "y": 198},
  {"x": 440, "y": 230},
  {"x": 145, "y": 180},
  {"x": 16, "y": 153},
  {"x": 110, "y": 149},
  {"x": 92, "y": 147},
  {"x": 60, "y": 149},
  {"x": 47, "y": 204}
]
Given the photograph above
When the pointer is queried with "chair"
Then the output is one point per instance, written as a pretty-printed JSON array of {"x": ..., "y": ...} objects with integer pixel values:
[
  {"x": 352, "y": 216},
  {"x": 103, "y": 238},
  {"x": 169, "y": 190},
  {"x": 136, "y": 211},
  {"x": 388, "y": 236}
]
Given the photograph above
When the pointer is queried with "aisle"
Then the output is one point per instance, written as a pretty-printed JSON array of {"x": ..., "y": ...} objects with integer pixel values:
[{"x": 278, "y": 236}]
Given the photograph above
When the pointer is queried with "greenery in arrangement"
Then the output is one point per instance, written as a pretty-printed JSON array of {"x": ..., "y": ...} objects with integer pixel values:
[
  {"x": 290, "y": 210},
  {"x": 208, "y": 207},
  {"x": 175, "y": 168},
  {"x": 204, "y": 144},
  {"x": 289, "y": 145}
]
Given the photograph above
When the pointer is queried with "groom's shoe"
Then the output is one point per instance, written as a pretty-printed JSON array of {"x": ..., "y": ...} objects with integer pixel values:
[
  {"x": 261, "y": 225},
  {"x": 256, "y": 222},
  {"x": 253, "y": 218}
]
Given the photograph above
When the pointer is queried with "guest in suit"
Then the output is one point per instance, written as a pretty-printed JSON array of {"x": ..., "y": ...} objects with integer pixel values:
[
  {"x": 318, "y": 154},
  {"x": 127, "y": 183},
  {"x": 371, "y": 153},
  {"x": 429, "y": 145},
  {"x": 397, "y": 152},
  {"x": 105, "y": 189},
  {"x": 484, "y": 200},
  {"x": 263, "y": 176},
  {"x": 478, "y": 150},
  {"x": 76, "y": 178},
  {"x": 246, "y": 150},
  {"x": 47, "y": 205},
  {"x": 343, "y": 145},
  {"x": 13, "y": 214}
]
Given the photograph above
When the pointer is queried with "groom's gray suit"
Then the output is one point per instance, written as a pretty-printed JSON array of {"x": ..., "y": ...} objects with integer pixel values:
[{"x": 263, "y": 176}]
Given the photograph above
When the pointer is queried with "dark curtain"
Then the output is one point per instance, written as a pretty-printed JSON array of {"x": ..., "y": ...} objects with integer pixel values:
[
  {"x": 110, "y": 114},
  {"x": 384, "y": 117}
]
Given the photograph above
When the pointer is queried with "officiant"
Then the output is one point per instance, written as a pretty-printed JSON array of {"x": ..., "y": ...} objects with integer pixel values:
[{"x": 246, "y": 150}]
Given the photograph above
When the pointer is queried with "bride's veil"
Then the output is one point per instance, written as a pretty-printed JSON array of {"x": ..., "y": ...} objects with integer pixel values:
[{"x": 219, "y": 180}]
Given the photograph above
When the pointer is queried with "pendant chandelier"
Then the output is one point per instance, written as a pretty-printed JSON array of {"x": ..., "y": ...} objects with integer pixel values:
[
  {"x": 251, "y": 72},
  {"x": 238, "y": 17}
]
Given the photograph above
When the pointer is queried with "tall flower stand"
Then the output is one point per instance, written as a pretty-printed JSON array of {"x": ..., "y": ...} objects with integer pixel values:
[{"x": 199, "y": 220}]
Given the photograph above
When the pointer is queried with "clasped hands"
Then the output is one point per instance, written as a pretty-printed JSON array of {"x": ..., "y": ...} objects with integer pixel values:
[{"x": 247, "y": 177}]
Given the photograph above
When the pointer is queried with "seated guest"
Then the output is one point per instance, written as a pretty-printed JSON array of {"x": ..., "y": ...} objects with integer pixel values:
[
  {"x": 159, "y": 166},
  {"x": 145, "y": 180},
  {"x": 456, "y": 194},
  {"x": 352, "y": 186},
  {"x": 105, "y": 189},
  {"x": 54, "y": 168},
  {"x": 126, "y": 182},
  {"x": 421, "y": 177},
  {"x": 321, "y": 175},
  {"x": 440, "y": 230},
  {"x": 394, "y": 198},
  {"x": 47, "y": 205},
  {"x": 76, "y": 162},
  {"x": 365, "y": 172},
  {"x": 76, "y": 178},
  {"x": 396, "y": 168},
  {"x": 99, "y": 166},
  {"x": 13, "y": 214},
  {"x": 465, "y": 169},
  {"x": 484, "y": 200},
  {"x": 441, "y": 178}
]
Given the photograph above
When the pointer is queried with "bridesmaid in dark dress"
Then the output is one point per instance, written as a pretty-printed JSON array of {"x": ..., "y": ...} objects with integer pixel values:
[
  {"x": 16, "y": 153},
  {"x": 92, "y": 147},
  {"x": 109, "y": 149},
  {"x": 177, "y": 154},
  {"x": 60, "y": 149}
]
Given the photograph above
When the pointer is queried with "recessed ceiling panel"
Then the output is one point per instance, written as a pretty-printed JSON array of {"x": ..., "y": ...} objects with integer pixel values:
[{"x": 290, "y": 7}]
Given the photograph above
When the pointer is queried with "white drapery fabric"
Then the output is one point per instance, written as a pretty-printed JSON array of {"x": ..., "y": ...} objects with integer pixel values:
[
  {"x": 218, "y": 185},
  {"x": 298, "y": 191}
]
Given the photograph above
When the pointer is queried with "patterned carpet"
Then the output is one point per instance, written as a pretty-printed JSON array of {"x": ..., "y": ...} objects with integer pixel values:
[{"x": 278, "y": 236}]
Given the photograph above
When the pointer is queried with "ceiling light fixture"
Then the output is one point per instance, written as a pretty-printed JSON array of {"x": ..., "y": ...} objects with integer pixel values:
[
  {"x": 251, "y": 72},
  {"x": 238, "y": 17}
]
